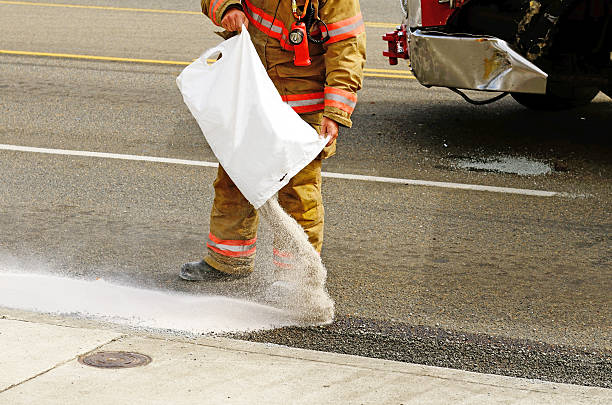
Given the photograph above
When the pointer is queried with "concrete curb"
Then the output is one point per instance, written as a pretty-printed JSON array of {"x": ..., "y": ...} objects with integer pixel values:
[{"x": 39, "y": 365}]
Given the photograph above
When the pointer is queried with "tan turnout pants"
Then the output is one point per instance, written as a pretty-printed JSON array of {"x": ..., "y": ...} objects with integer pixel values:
[{"x": 232, "y": 239}]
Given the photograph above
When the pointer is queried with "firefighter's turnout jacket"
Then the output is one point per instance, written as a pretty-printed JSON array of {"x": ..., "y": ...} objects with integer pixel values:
[{"x": 328, "y": 87}]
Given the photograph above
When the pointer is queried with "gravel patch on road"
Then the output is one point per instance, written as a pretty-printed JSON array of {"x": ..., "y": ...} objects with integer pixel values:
[{"x": 445, "y": 348}]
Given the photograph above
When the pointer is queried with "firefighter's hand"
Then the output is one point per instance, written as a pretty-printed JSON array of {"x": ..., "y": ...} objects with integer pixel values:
[
  {"x": 234, "y": 19},
  {"x": 329, "y": 128}
]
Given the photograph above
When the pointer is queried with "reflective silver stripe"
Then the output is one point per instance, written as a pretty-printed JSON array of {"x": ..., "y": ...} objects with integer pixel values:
[
  {"x": 284, "y": 40},
  {"x": 261, "y": 20},
  {"x": 344, "y": 30},
  {"x": 274, "y": 30},
  {"x": 283, "y": 260},
  {"x": 231, "y": 248},
  {"x": 258, "y": 18},
  {"x": 341, "y": 99},
  {"x": 304, "y": 103},
  {"x": 286, "y": 260}
]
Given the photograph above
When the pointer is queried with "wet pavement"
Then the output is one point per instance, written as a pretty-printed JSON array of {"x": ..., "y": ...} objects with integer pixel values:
[{"x": 490, "y": 282}]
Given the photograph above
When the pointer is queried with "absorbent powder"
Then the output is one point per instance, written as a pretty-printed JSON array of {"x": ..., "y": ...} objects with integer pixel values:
[
  {"x": 294, "y": 296},
  {"x": 299, "y": 288}
]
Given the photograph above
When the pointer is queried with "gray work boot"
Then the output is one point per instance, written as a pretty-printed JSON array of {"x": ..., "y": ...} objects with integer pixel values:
[{"x": 202, "y": 271}]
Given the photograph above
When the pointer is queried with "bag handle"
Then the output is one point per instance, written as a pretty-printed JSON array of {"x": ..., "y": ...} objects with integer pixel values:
[
  {"x": 210, "y": 52},
  {"x": 219, "y": 48}
]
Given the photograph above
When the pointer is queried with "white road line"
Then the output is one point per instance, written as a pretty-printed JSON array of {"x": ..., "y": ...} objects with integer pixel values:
[
  {"x": 107, "y": 155},
  {"x": 343, "y": 176},
  {"x": 442, "y": 184}
]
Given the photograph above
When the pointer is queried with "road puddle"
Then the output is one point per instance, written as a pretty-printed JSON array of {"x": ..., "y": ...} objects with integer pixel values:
[{"x": 506, "y": 164}]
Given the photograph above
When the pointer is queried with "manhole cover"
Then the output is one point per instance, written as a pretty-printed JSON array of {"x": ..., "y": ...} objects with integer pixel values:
[{"x": 115, "y": 359}]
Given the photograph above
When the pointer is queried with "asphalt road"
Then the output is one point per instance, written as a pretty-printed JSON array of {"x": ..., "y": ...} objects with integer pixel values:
[{"x": 493, "y": 282}]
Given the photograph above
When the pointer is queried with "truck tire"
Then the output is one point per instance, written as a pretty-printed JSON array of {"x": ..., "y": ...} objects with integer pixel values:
[{"x": 573, "y": 98}]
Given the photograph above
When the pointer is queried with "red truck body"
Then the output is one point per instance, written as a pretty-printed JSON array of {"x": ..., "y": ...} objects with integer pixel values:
[
  {"x": 435, "y": 14},
  {"x": 548, "y": 54}
]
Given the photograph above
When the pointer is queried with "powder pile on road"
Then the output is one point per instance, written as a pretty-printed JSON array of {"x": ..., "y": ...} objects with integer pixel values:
[
  {"x": 135, "y": 307},
  {"x": 300, "y": 288},
  {"x": 296, "y": 296}
]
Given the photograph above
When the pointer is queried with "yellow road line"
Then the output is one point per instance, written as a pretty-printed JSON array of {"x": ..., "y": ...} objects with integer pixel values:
[
  {"x": 142, "y": 10},
  {"x": 397, "y": 74},
  {"x": 380, "y": 25},
  {"x": 389, "y": 76},
  {"x": 394, "y": 71},
  {"x": 146, "y": 10},
  {"x": 93, "y": 57}
]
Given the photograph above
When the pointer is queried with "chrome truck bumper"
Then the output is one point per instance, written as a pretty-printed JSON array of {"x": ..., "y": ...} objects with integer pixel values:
[{"x": 470, "y": 62}]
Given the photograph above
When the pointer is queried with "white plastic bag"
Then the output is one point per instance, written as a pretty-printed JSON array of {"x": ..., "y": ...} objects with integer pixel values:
[{"x": 257, "y": 138}]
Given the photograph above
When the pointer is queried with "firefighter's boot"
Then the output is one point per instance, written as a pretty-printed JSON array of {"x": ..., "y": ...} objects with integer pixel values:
[{"x": 202, "y": 271}]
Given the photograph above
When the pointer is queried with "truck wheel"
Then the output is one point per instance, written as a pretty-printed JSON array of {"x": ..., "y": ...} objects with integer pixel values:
[{"x": 570, "y": 98}]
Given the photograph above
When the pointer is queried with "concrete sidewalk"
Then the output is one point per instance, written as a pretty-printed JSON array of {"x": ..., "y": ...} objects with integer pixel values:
[{"x": 38, "y": 365}]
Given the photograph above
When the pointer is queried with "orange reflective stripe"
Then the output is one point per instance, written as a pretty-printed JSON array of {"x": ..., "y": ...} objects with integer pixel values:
[
  {"x": 346, "y": 94},
  {"x": 282, "y": 265},
  {"x": 307, "y": 102},
  {"x": 337, "y": 104},
  {"x": 277, "y": 252},
  {"x": 342, "y": 99},
  {"x": 345, "y": 23},
  {"x": 309, "y": 108},
  {"x": 268, "y": 24},
  {"x": 306, "y": 96},
  {"x": 258, "y": 11},
  {"x": 212, "y": 11},
  {"x": 231, "y": 253},
  {"x": 231, "y": 242},
  {"x": 351, "y": 27},
  {"x": 282, "y": 259},
  {"x": 231, "y": 248}
]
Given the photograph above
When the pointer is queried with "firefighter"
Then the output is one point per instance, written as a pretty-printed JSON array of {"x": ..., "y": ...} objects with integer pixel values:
[{"x": 318, "y": 77}]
